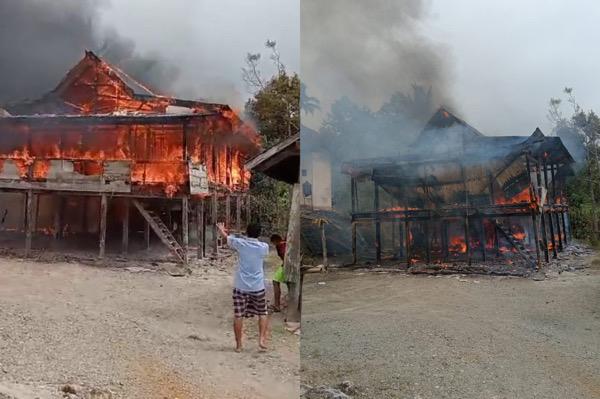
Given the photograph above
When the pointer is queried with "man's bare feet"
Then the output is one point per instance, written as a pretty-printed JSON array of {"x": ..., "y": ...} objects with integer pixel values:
[
  {"x": 262, "y": 348},
  {"x": 238, "y": 349}
]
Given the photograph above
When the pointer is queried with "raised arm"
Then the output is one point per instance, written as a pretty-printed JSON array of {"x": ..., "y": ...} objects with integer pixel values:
[{"x": 222, "y": 230}]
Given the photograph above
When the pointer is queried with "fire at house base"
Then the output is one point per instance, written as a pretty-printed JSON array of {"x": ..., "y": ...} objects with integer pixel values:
[
  {"x": 457, "y": 196},
  {"x": 103, "y": 156}
]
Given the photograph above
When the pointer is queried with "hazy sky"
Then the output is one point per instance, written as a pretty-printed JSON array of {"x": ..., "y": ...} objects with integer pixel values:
[
  {"x": 500, "y": 61},
  {"x": 511, "y": 56},
  {"x": 208, "y": 40}
]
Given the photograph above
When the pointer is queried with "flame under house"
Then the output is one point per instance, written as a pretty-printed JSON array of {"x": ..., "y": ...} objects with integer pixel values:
[
  {"x": 102, "y": 143},
  {"x": 457, "y": 195}
]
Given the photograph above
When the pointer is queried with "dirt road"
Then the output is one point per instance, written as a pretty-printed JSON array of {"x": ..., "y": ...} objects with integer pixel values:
[
  {"x": 401, "y": 336},
  {"x": 137, "y": 334}
]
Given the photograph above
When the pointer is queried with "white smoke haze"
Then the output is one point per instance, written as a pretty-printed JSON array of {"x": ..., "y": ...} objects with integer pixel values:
[
  {"x": 184, "y": 48},
  {"x": 369, "y": 50}
]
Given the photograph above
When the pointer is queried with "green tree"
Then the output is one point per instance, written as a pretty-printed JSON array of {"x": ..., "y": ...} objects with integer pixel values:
[
  {"x": 275, "y": 110},
  {"x": 581, "y": 134}
]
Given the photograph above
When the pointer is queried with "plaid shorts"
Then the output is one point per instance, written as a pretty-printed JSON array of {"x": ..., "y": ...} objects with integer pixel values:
[{"x": 248, "y": 304}]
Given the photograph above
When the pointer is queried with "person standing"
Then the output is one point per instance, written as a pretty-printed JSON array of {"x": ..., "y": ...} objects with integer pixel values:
[
  {"x": 249, "y": 283},
  {"x": 278, "y": 276}
]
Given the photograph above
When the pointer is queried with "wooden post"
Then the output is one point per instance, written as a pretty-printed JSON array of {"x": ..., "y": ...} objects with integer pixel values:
[
  {"x": 353, "y": 204},
  {"x": 147, "y": 235},
  {"x": 185, "y": 226},
  {"x": 248, "y": 209},
  {"x": 400, "y": 240},
  {"x": 324, "y": 243},
  {"x": 445, "y": 251},
  {"x": 58, "y": 211},
  {"x": 103, "y": 209},
  {"x": 377, "y": 224},
  {"x": 238, "y": 213},
  {"x": 533, "y": 215},
  {"x": 466, "y": 217},
  {"x": 125, "y": 237},
  {"x": 428, "y": 239},
  {"x": 482, "y": 239},
  {"x": 200, "y": 228},
  {"x": 227, "y": 211},
  {"x": 538, "y": 175},
  {"x": 28, "y": 221},
  {"x": 292, "y": 257},
  {"x": 554, "y": 213},
  {"x": 407, "y": 239},
  {"x": 549, "y": 212},
  {"x": 213, "y": 221},
  {"x": 354, "y": 254}
]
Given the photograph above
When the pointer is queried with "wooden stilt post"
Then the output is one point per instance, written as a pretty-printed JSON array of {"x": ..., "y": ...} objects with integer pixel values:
[
  {"x": 466, "y": 215},
  {"x": 534, "y": 216},
  {"x": 125, "y": 237},
  {"x": 324, "y": 244},
  {"x": 228, "y": 211},
  {"x": 213, "y": 221},
  {"x": 428, "y": 239},
  {"x": 407, "y": 239},
  {"x": 103, "y": 209},
  {"x": 147, "y": 235},
  {"x": 353, "y": 204},
  {"x": 554, "y": 213},
  {"x": 401, "y": 240},
  {"x": 377, "y": 224},
  {"x": 200, "y": 228},
  {"x": 445, "y": 251},
  {"x": 238, "y": 213},
  {"x": 538, "y": 175},
  {"x": 28, "y": 221},
  {"x": 58, "y": 208},
  {"x": 248, "y": 209},
  {"x": 185, "y": 226},
  {"x": 549, "y": 211},
  {"x": 482, "y": 239},
  {"x": 354, "y": 251}
]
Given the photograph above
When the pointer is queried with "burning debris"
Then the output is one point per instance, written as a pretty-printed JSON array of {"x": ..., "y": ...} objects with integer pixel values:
[
  {"x": 458, "y": 196},
  {"x": 100, "y": 133}
]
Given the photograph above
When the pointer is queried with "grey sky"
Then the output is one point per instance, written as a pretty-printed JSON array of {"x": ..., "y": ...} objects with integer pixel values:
[
  {"x": 502, "y": 60},
  {"x": 208, "y": 39},
  {"x": 511, "y": 56}
]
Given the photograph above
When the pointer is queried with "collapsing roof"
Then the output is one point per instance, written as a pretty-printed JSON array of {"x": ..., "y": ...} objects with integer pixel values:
[
  {"x": 450, "y": 155},
  {"x": 280, "y": 162}
]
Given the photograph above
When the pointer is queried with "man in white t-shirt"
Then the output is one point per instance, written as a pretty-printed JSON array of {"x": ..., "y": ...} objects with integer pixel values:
[{"x": 249, "y": 284}]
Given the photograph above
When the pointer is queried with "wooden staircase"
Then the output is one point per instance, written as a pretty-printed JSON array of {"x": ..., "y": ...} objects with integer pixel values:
[
  {"x": 516, "y": 244},
  {"x": 162, "y": 231}
]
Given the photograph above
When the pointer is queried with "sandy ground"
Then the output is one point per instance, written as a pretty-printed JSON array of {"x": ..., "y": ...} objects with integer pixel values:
[
  {"x": 136, "y": 334},
  {"x": 394, "y": 335}
]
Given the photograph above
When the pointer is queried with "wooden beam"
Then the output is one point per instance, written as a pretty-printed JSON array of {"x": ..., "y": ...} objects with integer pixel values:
[
  {"x": 427, "y": 240},
  {"x": 556, "y": 216},
  {"x": 125, "y": 222},
  {"x": 407, "y": 241},
  {"x": 58, "y": 214},
  {"x": 103, "y": 209},
  {"x": 466, "y": 215},
  {"x": 185, "y": 227},
  {"x": 28, "y": 221},
  {"x": 482, "y": 238}
]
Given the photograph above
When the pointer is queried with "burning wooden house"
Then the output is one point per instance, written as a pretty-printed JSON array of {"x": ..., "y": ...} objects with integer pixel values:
[
  {"x": 458, "y": 196},
  {"x": 78, "y": 159}
]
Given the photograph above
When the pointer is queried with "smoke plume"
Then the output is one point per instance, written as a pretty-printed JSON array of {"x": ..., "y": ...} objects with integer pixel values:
[
  {"x": 368, "y": 51},
  {"x": 40, "y": 40}
]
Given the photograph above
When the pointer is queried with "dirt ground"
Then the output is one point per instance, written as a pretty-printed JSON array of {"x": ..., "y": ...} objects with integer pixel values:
[
  {"x": 114, "y": 333},
  {"x": 394, "y": 335}
]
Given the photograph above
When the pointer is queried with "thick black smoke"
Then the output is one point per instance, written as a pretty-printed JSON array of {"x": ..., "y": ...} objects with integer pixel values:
[{"x": 41, "y": 39}]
